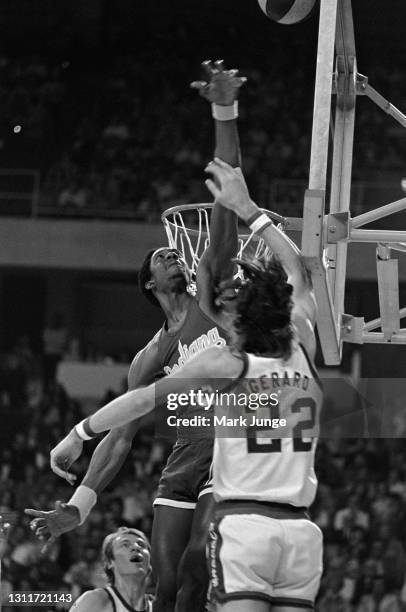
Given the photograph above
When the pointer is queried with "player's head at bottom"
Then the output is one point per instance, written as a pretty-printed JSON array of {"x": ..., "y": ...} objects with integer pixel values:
[
  {"x": 126, "y": 553},
  {"x": 263, "y": 307}
]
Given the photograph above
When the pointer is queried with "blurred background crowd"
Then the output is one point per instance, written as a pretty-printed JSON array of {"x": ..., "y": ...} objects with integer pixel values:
[{"x": 122, "y": 134}]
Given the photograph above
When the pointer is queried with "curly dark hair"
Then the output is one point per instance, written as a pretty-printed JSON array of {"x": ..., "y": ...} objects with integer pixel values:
[
  {"x": 144, "y": 275},
  {"x": 263, "y": 309}
]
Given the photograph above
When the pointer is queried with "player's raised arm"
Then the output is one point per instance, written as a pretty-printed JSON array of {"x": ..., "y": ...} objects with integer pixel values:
[
  {"x": 221, "y": 88},
  {"x": 231, "y": 191}
]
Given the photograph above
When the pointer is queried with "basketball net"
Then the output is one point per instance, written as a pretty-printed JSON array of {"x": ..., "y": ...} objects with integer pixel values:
[{"x": 187, "y": 228}]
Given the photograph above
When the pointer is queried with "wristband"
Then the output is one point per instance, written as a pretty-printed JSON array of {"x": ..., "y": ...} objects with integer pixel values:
[
  {"x": 84, "y": 431},
  {"x": 83, "y": 499},
  {"x": 259, "y": 223},
  {"x": 225, "y": 113},
  {"x": 253, "y": 217}
]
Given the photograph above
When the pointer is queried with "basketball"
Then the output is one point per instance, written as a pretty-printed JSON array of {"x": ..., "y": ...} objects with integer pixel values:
[{"x": 287, "y": 12}]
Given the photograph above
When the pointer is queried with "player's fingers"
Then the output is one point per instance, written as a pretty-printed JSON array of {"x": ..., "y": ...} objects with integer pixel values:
[
  {"x": 208, "y": 68},
  {"x": 60, "y": 465},
  {"x": 223, "y": 165},
  {"x": 212, "y": 188},
  {"x": 48, "y": 545},
  {"x": 43, "y": 532},
  {"x": 239, "y": 82},
  {"x": 215, "y": 170},
  {"x": 71, "y": 478},
  {"x": 32, "y": 512},
  {"x": 199, "y": 84},
  {"x": 35, "y": 523},
  {"x": 219, "y": 65},
  {"x": 62, "y": 473},
  {"x": 59, "y": 505}
]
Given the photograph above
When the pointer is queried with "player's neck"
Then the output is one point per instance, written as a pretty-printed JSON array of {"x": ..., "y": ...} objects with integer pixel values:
[
  {"x": 175, "y": 307},
  {"x": 132, "y": 590}
]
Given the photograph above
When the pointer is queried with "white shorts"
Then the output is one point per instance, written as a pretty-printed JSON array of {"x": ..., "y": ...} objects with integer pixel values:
[{"x": 252, "y": 556}]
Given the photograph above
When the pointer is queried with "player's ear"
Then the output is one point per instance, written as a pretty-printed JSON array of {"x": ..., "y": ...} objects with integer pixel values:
[{"x": 150, "y": 284}]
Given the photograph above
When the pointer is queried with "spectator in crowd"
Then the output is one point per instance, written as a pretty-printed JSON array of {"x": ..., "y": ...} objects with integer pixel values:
[{"x": 55, "y": 340}]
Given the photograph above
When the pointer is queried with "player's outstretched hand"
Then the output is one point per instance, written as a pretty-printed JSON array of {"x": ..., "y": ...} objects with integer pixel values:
[
  {"x": 220, "y": 86},
  {"x": 47, "y": 526},
  {"x": 64, "y": 454},
  {"x": 229, "y": 188},
  {"x": 4, "y": 529}
]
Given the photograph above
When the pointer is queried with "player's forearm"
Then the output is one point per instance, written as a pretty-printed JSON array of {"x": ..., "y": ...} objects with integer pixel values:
[
  {"x": 106, "y": 461},
  {"x": 224, "y": 223},
  {"x": 122, "y": 410},
  {"x": 286, "y": 250},
  {"x": 280, "y": 244},
  {"x": 227, "y": 142}
]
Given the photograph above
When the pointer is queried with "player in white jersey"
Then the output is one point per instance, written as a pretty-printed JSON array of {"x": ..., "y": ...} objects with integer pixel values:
[
  {"x": 127, "y": 564},
  {"x": 264, "y": 552}
]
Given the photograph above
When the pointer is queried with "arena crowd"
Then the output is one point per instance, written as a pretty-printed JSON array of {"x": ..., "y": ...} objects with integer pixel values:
[{"x": 98, "y": 131}]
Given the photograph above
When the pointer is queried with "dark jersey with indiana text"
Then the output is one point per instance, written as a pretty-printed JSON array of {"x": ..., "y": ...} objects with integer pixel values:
[{"x": 197, "y": 333}]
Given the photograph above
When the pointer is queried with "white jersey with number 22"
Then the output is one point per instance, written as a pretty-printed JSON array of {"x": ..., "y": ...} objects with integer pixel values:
[{"x": 263, "y": 462}]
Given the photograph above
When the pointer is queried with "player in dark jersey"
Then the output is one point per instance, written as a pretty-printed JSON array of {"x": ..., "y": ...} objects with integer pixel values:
[
  {"x": 127, "y": 564},
  {"x": 183, "y": 506},
  {"x": 265, "y": 553}
]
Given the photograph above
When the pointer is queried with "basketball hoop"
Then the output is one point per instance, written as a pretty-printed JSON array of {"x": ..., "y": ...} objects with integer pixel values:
[{"x": 187, "y": 228}]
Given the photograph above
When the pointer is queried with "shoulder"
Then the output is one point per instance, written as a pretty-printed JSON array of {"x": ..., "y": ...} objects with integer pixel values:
[
  {"x": 212, "y": 313},
  {"x": 221, "y": 362},
  {"x": 97, "y": 599},
  {"x": 150, "y": 347},
  {"x": 145, "y": 364}
]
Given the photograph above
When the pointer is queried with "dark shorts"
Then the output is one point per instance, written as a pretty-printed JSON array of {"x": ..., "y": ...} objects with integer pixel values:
[{"x": 187, "y": 474}]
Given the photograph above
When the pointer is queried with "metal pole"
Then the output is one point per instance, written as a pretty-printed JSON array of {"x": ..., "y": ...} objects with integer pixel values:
[
  {"x": 378, "y": 338},
  {"x": 370, "y": 325},
  {"x": 322, "y": 95},
  {"x": 360, "y": 235},
  {"x": 312, "y": 237},
  {"x": 378, "y": 213},
  {"x": 398, "y": 246},
  {"x": 384, "y": 104},
  {"x": 346, "y": 70}
]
